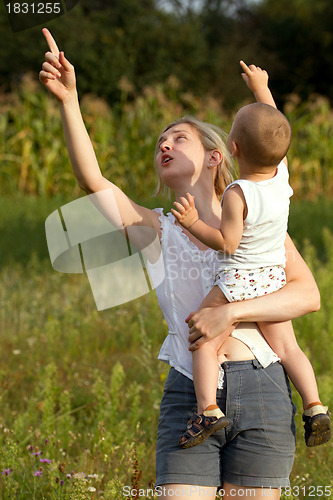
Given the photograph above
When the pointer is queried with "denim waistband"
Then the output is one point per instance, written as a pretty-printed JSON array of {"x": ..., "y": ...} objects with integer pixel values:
[{"x": 244, "y": 365}]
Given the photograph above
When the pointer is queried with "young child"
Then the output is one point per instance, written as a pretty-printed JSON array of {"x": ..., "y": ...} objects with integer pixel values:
[{"x": 250, "y": 242}]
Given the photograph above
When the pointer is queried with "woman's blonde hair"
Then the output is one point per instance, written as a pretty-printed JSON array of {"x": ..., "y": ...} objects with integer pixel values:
[{"x": 212, "y": 138}]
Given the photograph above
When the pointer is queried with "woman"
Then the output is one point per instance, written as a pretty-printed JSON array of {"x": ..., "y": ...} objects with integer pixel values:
[{"x": 256, "y": 450}]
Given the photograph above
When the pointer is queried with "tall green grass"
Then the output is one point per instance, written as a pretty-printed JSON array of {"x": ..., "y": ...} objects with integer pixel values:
[
  {"x": 80, "y": 389},
  {"x": 34, "y": 159}
]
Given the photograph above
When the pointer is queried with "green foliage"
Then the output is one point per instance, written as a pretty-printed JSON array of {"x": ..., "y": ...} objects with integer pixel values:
[
  {"x": 109, "y": 41},
  {"x": 80, "y": 389},
  {"x": 311, "y": 152},
  {"x": 35, "y": 161},
  {"x": 34, "y": 157},
  {"x": 298, "y": 36},
  {"x": 307, "y": 221},
  {"x": 199, "y": 43}
]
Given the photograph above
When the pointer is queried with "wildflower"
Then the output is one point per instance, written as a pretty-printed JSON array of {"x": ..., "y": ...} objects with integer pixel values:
[
  {"x": 36, "y": 453},
  {"x": 80, "y": 475},
  {"x": 46, "y": 441},
  {"x": 6, "y": 472},
  {"x": 62, "y": 468},
  {"x": 31, "y": 341},
  {"x": 62, "y": 482},
  {"x": 91, "y": 488},
  {"x": 93, "y": 476},
  {"x": 45, "y": 460},
  {"x": 38, "y": 473}
]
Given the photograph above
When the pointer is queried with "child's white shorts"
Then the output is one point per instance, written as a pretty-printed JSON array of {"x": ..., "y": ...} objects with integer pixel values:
[{"x": 243, "y": 284}]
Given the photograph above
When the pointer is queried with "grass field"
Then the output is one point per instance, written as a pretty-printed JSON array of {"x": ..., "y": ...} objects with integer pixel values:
[
  {"x": 34, "y": 160},
  {"x": 80, "y": 389}
]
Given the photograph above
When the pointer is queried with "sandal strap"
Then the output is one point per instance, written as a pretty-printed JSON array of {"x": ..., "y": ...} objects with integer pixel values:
[{"x": 194, "y": 421}]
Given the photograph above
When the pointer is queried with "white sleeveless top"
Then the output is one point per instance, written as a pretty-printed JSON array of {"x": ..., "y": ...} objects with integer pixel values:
[
  {"x": 265, "y": 226},
  {"x": 189, "y": 276}
]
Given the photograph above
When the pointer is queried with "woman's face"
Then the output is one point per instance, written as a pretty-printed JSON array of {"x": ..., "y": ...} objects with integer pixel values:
[{"x": 181, "y": 155}]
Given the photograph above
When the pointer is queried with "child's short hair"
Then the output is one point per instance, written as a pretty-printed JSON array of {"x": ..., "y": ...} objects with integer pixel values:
[{"x": 262, "y": 133}]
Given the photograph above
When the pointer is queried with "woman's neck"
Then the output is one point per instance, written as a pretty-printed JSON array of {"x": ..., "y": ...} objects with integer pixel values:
[{"x": 206, "y": 202}]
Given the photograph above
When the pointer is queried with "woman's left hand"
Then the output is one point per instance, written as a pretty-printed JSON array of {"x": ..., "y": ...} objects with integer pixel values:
[{"x": 208, "y": 323}]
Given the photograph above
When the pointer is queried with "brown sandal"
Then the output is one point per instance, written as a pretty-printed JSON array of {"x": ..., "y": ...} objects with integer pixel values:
[
  {"x": 199, "y": 428},
  {"x": 317, "y": 428}
]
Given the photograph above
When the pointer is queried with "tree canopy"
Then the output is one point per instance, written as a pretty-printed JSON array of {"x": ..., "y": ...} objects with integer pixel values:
[{"x": 125, "y": 45}]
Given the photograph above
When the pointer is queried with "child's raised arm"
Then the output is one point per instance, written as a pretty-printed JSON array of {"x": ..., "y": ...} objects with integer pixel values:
[
  {"x": 58, "y": 76},
  {"x": 257, "y": 81}
]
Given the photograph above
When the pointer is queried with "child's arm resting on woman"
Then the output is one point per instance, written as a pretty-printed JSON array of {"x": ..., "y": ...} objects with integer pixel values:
[
  {"x": 58, "y": 76},
  {"x": 227, "y": 238},
  {"x": 298, "y": 297}
]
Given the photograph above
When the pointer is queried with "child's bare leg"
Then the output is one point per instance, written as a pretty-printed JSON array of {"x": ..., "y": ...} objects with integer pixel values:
[
  {"x": 205, "y": 373},
  {"x": 205, "y": 364},
  {"x": 281, "y": 338},
  {"x": 205, "y": 377}
]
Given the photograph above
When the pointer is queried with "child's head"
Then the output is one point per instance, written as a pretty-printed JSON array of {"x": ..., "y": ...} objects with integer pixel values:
[
  {"x": 261, "y": 133},
  {"x": 212, "y": 138}
]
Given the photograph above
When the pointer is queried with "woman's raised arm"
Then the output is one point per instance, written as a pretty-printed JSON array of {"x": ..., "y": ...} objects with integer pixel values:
[
  {"x": 298, "y": 297},
  {"x": 58, "y": 76}
]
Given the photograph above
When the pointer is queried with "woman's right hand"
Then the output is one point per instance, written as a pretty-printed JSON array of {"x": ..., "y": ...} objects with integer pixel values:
[
  {"x": 58, "y": 74},
  {"x": 208, "y": 323}
]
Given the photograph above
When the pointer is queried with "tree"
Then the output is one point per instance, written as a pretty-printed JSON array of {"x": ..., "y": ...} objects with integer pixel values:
[
  {"x": 200, "y": 42},
  {"x": 299, "y": 35}
]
